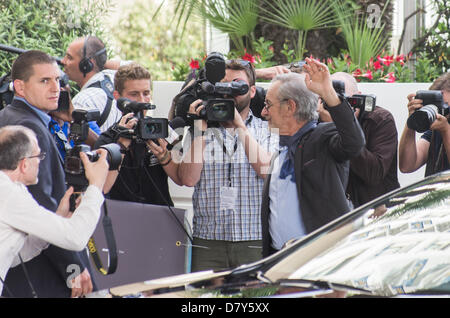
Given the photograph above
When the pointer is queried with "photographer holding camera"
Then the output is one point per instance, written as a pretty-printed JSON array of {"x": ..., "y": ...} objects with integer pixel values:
[
  {"x": 25, "y": 226},
  {"x": 146, "y": 163},
  {"x": 36, "y": 93},
  {"x": 429, "y": 113},
  {"x": 374, "y": 171},
  {"x": 228, "y": 189}
]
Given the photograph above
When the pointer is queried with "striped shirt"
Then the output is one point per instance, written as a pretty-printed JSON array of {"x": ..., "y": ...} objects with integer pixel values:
[
  {"x": 230, "y": 169},
  {"x": 94, "y": 98}
]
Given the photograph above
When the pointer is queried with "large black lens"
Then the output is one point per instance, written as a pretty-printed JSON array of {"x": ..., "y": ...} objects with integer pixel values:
[{"x": 422, "y": 118}]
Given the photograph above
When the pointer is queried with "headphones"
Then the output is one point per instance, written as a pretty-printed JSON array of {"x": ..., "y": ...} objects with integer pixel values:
[{"x": 86, "y": 64}]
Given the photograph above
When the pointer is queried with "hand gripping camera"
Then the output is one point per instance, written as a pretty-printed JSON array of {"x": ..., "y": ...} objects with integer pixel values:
[
  {"x": 146, "y": 127},
  {"x": 208, "y": 88},
  {"x": 422, "y": 118},
  {"x": 73, "y": 166},
  {"x": 365, "y": 102}
]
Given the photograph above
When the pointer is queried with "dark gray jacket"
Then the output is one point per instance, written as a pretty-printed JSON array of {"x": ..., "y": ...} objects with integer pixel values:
[{"x": 321, "y": 172}]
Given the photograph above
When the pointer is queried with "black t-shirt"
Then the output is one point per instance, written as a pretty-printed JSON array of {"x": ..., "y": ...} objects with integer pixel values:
[
  {"x": 140, "y": 178},
  {"x": 437, "y": 157}
]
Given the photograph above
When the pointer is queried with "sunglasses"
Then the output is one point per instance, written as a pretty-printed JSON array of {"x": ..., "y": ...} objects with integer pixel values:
[
  {"x": 244, "y": 63},
  {"x": 298, "y": 64}
]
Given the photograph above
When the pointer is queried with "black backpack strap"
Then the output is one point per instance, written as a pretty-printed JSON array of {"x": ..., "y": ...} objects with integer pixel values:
[{"x": 107, "y": 86}]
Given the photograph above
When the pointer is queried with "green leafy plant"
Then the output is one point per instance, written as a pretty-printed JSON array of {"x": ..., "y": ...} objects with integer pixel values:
[
  {"x": 363, "y": 39},
  {"x": 237, "y": 18},
  {"x": 155, "y": 43},
  {"x": 48, "y": 26},
  {"x": 427, "y": 70},
  {"x": 383, "y": 68},
  {"x": 300, "y": 15},
  {"x": 288, "y": 53}
]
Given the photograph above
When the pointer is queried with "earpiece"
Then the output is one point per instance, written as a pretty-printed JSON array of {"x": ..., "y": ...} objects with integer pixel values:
[{"x": 86, "y": 64}]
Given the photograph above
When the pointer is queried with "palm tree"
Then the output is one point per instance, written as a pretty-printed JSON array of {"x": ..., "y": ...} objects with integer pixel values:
[
  {"x": 311, "y": 28},
  {"x": 300, "y": 15}
]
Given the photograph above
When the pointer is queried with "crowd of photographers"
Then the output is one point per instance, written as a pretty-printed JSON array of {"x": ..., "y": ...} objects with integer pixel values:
[{"x": 267, "y": 167}]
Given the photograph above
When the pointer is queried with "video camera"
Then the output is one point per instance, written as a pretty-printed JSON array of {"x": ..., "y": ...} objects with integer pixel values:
[
  {"x": 423, "y": 117},
  {"x": 146, "y": 127},
  {"x": 365, "y": 102},
  {"x": 209, "y": 89},
  {"x": 73, "y": 166}
]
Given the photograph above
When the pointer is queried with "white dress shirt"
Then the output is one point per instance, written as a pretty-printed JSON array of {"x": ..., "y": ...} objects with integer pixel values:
[
  {"x": 26, "y": 227},
  {"x": 94, "y": 98}
]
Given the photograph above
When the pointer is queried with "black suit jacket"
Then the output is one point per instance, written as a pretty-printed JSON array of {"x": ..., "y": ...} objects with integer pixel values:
[
  {"x": 48, "y": 271},
  {"x": 321, "y": 172}
]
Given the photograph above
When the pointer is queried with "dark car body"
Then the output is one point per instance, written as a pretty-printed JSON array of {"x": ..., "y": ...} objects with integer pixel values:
[{"x": 396, "y": 245}]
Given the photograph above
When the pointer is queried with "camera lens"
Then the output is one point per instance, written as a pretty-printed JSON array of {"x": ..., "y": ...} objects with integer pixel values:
[
  {"x": 153, "y": 128},
  {"x": 220, "y": 111},
  {"x": 422, "y": 118}
]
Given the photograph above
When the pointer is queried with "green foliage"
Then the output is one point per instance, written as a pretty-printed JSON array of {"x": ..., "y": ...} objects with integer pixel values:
[
  {"x": 237, "y": 18},
  {"x": 427, "y": 70},
  {"x": 434, "y": 45},
  {"x": 155, "y": 42},
  {"x": 289, "y": 53},
  {"x": 264, "y": 53},
  {"x": 300, "y": 15},
  {"x": 363, "y": 39},
  {"x": 387, "y": 68},
  {"x": 48, "y": 26}
]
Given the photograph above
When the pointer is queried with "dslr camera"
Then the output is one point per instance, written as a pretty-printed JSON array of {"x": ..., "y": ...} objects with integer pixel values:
[
  {"x": 209, "y": 89},
  {"x": 73, "y": 166},
  {"x": 423, "y": 117},
  {"x": 146, "y": 127},
  {"x": 365, "y": 102}
]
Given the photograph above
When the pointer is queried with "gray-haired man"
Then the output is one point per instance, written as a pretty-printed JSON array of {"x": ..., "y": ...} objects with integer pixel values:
[{"x": 306, "y": 186}]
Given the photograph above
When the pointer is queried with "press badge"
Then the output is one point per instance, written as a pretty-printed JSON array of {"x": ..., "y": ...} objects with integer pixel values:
[{"x": 228, "y": 198}]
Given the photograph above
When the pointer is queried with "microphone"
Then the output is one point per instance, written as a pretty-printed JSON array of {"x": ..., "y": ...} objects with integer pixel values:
[{"x": 126, "y": 106}]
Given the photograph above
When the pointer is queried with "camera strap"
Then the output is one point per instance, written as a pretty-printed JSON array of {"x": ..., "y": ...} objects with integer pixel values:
[
  {"x": 111, "y": 244},
  {"x": 108, "y": 88}
]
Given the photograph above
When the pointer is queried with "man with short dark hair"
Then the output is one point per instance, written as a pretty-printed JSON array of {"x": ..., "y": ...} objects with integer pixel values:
[
  {"x": 36, "y": 86},
  {"x": 228, "y": 183},
  {"x": 25, "y": 226}
]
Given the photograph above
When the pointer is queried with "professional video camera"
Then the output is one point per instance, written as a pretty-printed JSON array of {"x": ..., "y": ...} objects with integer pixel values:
[
  {"x": 73, "y": 166},
  {"x": 365, "y": 102},
  {"x": 423, "y": 117},
  {"x": 146, "y": 127},
  {"x": 209, "y": 89}
]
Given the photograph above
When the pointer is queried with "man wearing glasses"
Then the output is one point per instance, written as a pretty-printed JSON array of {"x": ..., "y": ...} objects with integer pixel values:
[
  {"x": 227, "y": 194},
  {"x": 305, "y": 188},
  {"x": 25, "y": 226},
  {"x": 36, "y": 92}
]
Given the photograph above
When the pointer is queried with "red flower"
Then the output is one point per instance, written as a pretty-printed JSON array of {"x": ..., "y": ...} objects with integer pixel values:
[
  {"x": 390, "y": 77},
  {"x": 387, "y": 60},
  {"x": 357, "y": 73},
  {"x": 401, "y": 59},
  {"x": 249, "y": 57},
  {"x": 368, "y": 74},
  {"x": 377, "y": 65},
  {"x": 194, "y": 64}
]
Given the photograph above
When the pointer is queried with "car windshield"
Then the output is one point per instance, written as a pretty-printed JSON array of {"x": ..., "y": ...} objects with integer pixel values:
[{"x": 394, "y": 245}]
